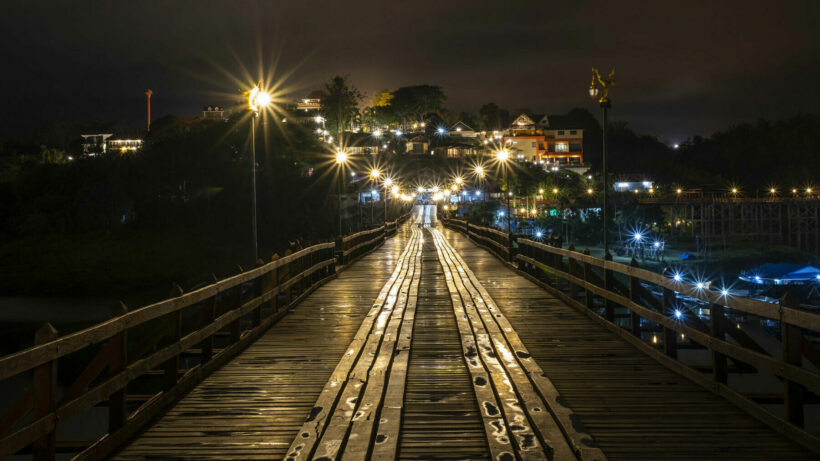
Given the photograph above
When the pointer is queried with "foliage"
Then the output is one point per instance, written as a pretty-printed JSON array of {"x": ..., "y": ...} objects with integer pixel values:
[{"x": 340, "y": 104}]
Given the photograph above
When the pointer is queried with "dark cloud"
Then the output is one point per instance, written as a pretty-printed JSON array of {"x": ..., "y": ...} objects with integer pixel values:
[{"x": 683, "y": 68}]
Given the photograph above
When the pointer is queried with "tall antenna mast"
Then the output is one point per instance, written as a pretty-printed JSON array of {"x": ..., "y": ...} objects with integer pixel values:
[{"x": 148, "y": 94}]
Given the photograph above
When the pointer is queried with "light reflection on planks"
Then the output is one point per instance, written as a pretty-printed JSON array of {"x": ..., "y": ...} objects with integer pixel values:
[
  {"x": 253, "y": 407},
  {"x": 634, "y": 407}
]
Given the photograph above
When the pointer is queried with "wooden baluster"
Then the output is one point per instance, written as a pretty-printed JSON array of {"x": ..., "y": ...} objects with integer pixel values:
[
  {"x": 573, "y": 270},
  {"x": 608, "y": 283},
  {"x": 258, "y": 289},
  {"x": 118, "y": 348},
  {"x": 670, "y": 336},
  {"x": 274, "y": 282},
  {"x": 45, "y": 383},
  {"x": 171, "y": 366},
  {"x": 717, "y": 323},
  {"x": 207, "y": 345},
  {"x": 791, "y": 337},
  {"x": 587, "y": 274},
  {"x": 634, "y": 290},
  {"x": 235, "y": 302},
  {"x": 288, "y": 275}
]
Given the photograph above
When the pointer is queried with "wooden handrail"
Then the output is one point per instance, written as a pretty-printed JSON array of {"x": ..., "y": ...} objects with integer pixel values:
[
  {"x": 301, "y": 271},
  {"x": 797, "y": 317},
  {"x": 27, "y": 359}
]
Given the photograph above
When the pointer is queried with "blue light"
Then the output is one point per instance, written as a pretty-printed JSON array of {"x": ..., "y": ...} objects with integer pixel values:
[
  {"x": 724, "y": 291},
  {"x": 657, "y": 244},
  {"x": 440, "y": 130},
  {"x": 678, "y": 277},
  {"x": 638, "y": 236},
  {"x": 699, "y": 285},
  {"x": 678, "y": 313},
  {"x": 478, "y": 192},
  {"x": 398, "y": 132},
  {"x": 500, "y": 213},
  {"x": 538, "y": 234}
]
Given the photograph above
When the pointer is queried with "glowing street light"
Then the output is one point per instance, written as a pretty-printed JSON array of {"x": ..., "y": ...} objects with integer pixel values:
[
  {"x": 374, "y": 174},
  {"x": 459, "y": 180},
  {"x": 605, "y": 103},
  {"x": 479, "y": 170},
  {"x": 377, "y": 134},
  {"x": 257, "y": 99},
  {"x": 341, "y": 159}
]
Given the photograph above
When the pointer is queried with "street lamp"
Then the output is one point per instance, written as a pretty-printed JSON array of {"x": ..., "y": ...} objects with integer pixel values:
[
  {"x": 374, "y": 176},
  {"x": 605, "y": 104},
  {"x": 341, "y": 158},
  {"x": 502, "y": 156},
  {"x": 257, "y": 99},
  {"x": 479, "y": 172},
  {"x": 387, "y": 183}
]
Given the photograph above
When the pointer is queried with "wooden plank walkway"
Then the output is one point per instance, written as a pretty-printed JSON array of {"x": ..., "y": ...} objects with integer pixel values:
[
  {"x": 441, "y": 419},
  {"x": 633, "y": 407},
  {"x": 253, "y": 407}
]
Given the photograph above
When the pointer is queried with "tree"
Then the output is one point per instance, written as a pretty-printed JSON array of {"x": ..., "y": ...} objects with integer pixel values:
[
  {"x": 413, "y": 103},
  {"x": 340, "y": 102},
  {"x": 491, "y": 117}
]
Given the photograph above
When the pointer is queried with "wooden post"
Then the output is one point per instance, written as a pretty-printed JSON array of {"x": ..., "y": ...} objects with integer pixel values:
[
  {"x": 587, "y": 273},
  {"x": 45, "y": 383},
  {"x": 288, "y": 275},
  {"x": 258, "y": 289},
  {"x": 634, "y": 290},
  {"x": 670, "y": 337},
  {"x": 207, "y": 345},
  {"x": 717, "y": 323},
  {"x": 235, "y": 302},
  {"x": 118, "y": 347},
  {"x": 791, "y": 337},
  {"x": 274, "y": 284},
  {"x": 171, "y": 366},
  {"x": 573, "y": 270},
  {"x": 608, "y": 282}
]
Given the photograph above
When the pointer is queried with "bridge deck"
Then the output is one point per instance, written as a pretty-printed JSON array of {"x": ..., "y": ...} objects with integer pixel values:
[
  {"x": 407, "y": 358},
  {"x": 253, "y": 407}
]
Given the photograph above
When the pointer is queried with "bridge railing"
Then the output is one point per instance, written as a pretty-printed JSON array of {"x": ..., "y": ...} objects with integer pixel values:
[
  {"x": 495, "y": 240},
  {"x": 662, "y": 314},
  {"x": 139, "y": 361},
  {"x": 355, "y": 245}
]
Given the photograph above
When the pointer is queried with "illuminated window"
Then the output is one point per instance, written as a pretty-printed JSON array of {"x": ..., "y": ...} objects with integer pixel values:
[
  {"x": 562, "y": 147},
  {"x": 533, "y": 144}
]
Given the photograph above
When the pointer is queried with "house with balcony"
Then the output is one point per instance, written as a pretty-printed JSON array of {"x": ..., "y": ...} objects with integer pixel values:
[{"x": 545, "y": 139}]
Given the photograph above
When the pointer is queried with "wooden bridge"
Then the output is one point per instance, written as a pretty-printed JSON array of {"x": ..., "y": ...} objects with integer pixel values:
[{"x": 441, "y": 342}]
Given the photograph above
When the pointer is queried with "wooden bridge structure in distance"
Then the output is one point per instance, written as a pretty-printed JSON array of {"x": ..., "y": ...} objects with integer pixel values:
[{"x": 449, "y": 342}]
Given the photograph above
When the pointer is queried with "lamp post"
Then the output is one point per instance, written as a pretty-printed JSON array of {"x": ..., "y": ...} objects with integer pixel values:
[
  {"x": 479, "y": 172},
  {"x": 605, "y": 104},
  {"x": 503, "y": 156},
  {"x": 257, "y": 99},
  {"x": 374, "y": 176},
  {"x": 387, "y": 183},
  {"x": 341, "y": 158}
]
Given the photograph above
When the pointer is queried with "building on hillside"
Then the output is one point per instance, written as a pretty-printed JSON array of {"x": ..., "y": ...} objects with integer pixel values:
[
  {"x": 454, "y": 147},
  {"x": 309, "y": 104},
  {"x": 633, "y": 183},
  {"x": 124, "y": 145},
  {"x": 546, "y": 139},
  {"x": 213, "y": 113},
  {"x": 95, "y": 144},
  {"x": 417, "y": 145},
  {"x": 463, "y": 130},
  {"x": 103, "y": 143}
]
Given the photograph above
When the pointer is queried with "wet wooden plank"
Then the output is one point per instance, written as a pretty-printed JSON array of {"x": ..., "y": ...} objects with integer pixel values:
[
  {"x": 633, "y": 407},
  {"x": 334, "y": 410},
  {"x": 262, "y": 398}
]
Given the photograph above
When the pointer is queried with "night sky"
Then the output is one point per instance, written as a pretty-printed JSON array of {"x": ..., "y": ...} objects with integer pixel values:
[{"x": 683, "y": 68}]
